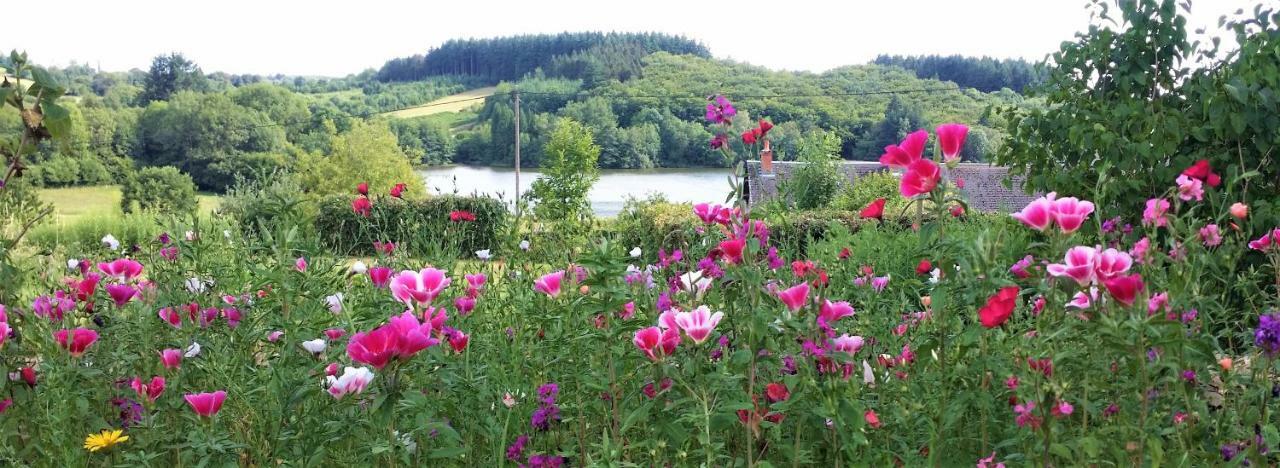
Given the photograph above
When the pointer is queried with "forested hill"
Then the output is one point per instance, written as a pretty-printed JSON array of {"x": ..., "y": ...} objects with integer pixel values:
[
  {"x": 981, "y": 73},
  {"x": 591, "y": 56}
]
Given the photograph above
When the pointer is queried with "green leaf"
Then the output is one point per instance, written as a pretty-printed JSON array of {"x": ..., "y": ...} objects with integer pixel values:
[
  {"x": 447, "y": 452},
  {"x": 56, "y": 118},
  {"x": 635, "y": 415}
]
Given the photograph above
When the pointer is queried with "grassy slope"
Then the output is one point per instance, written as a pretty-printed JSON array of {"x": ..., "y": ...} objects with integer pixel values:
[
  {"x": 453, "y": 103},
  {"x": 73, "y": 203}
]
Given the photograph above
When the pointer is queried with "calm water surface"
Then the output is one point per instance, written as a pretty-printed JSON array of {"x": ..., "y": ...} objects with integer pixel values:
[{"x": 607, "y": 196}]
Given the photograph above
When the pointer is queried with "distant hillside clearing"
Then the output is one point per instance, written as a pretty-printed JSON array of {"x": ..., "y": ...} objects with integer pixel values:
[{"x": 453, "y": 103}]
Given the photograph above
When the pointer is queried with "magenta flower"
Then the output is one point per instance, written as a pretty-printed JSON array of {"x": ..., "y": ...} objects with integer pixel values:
[
  {"x": 1268, "y": 241},
  {"x": 1019, "y": 268},
  {"x": 1026, "y": 414},
  {"x": 121, "y": 294},
  {"x": 1139, "y": 250},
  {"x": 1070, "y": 213},
  {"x": 412, "y": 335},
  {"x": 1154, "y": 214},
  {"x": 300, "y": 264},
  {"x": 848, "y": 344},
  {"x": 375, "y": 348},
  {"x": 419, "y": 287},
  {"x": 464, "y": 304},
  {"x": 951, "y": 139},
  {"x": 206, "y": 404},
  {"x": 172, "y": 317},
  {"x": 4, "y": 332},
  {"x": 53, "y": 307},
  {"x": 549, "y": 283},
  {"x": 1038, "y": 214},
  {"x": 656, "y": 342},
  {"x": 1084, "y": 301},
  {"x": 720, "y": 110},
  {"x": 1210, "y": 235},
  {"x": 1125, "y": 289},
  {"x": 878, "y": 283},
  {"x": 830, "y": 312},
  {"x": 77, "y": 340},
  {"x": 148, "y": 390},
  {"x": 1190, "y": 188},
  {"x": 171, "y": 358},
  {"x": 380, "y": 276},
  {"x": 121, "y": 269},
  {"x": 1078, "y": 265},
  {"x": 475, "y": 283},
  {"x": 699, "y": 323},
  {"x": 795, "y": 297},
  {"x": 1110, "y": 263},
  {"x": 904, "y": 154},
  {"x": 921, "y": 177}
]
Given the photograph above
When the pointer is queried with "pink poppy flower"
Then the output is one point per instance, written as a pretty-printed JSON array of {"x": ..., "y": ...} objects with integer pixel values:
[
  {"x": 1110, "y": 263},
  {"x": 1078, "y": 265},
  {"x": 848, "y": 344},
  {"x": 1038, "y": 214},
  {"x": 172, "y": 317},
  {"x": 206, "y": 404},
  {"x": 906, "y": 153},
  {"x": 419, "y": 287},
  {"x": 76, "y": 340},
  {"x": 171, "y": 358},
  {"x": 656, "y": 342},
  {"x": 1070, "y": 213},
  {"x": 375, "y": 348},
  {"x": 1082, "y": 300},
  {"x": 1124, "y": 289},
  {"x": 1189, "y": 188},
  {"x": 464, "y": 304},
  {"x": 1154, "y": 214},
  {"x": 1269, "y": 240},
  {"x": 380, "y": 276},
  {"x": 334, "y": 333},
  {"x": 412, "y": 335},
  {"x": 921, "y": 178},
  {"x": 121, "y": 269},
  {"x": 795, "y": 297},
  {"x": 951, "y": 139},
  {"x": 699, "y": 323},
  {"x": 121, "y": 294},
  {"x": 148, "y": 390},
  {"x": 731, "y": 250},
  {"x": 830, "y": 312},
  {"x": 549, "y": 283}
]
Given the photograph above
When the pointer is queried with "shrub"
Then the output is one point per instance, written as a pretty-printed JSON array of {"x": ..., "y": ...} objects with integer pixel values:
[
  {"x": 569, "y": 170},
  {"x": 654, "y": 223},
  {"x": 161, "y": 189},
  {"x": 867, "y": 188},
  {"x": 268, "y": 202},
  {"x": 367, "y": 153},
  {"x": 420, "y": 225},
  {"x": 816, "y": 184}
]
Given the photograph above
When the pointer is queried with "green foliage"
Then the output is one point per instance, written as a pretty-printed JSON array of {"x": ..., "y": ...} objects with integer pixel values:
[
  {"x": 569, "y": 171},
  {"x": 84, "y": 233},
  {"x": 426, "y": 140},
  {"x": 271, "y": 203},
  {"x": 170, "y": 74},
  {"x": 1125, "y": 112},
  {"x": 818, "y": 182},
  {"x": 158, "y": 189},
  {"x": 984, "y": 74},
  {"x": 278, "y": 103},
  {"x": 867, "y": 188},
  {"x": 368, "y": 153},
  {"x": 654, "y": 223},
  {"x": 413, "y": 225}
]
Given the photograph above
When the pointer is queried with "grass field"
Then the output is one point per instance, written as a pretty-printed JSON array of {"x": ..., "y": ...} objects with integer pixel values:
[
  {"x": 73, "y": 203},
  {"x": 452, "y": 103}
]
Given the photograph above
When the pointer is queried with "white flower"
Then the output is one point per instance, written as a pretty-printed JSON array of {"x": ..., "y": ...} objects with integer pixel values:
[
  {"x": 190, "y": 236},
  {"x": 226, "y": 233},
  {"x": 935, "y": 275},
  {"x": 633, "y": 269},
  {"x": 193, "y": 350},
  {"x": 694, "y": 282},
  {"x": 315, "y": 346},
  {"x": 73, "y": 263},
  {"x": 483, "y": 254},
  {"x": 868, "y": 375},
  {"x": 359, "y": 267},
  {"x": 635, "y": 252},
  {"x": 109, "y": 241},
  {"x": 353, "y": 380},
  {"x": 196, "y": 285},
  {"x": 508, "y": 400},
  {"x": 524, "y": 245},
  {"x": 335, "y": 302}
]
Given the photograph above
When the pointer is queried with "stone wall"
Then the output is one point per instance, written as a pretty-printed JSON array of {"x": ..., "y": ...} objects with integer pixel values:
[{"x": 984, "y": 184}]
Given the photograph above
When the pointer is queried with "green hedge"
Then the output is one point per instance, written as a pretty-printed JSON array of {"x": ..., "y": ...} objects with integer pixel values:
[{"x": 418, "y": 225}]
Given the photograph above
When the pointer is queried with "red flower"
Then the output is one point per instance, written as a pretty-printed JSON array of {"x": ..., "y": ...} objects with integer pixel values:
[
  {"x": 872, "y": 419},
  {"x": 398, "y": 190},
  {"x": 731, "y": 250},
  {"x": 921, "y": 177},
  {"x": 957, "y": 211},
  {"x": 362, "y": 206},
  {"x": 924, "y": 267},
  {"x": 873, "y": 210},
  {"x": 749, "y": 136},
  {"x": 845, "y": 253},
  {"x": 999, "y": 307},
  {"x": 1124, "y": 289},
  {"x": 777, "y": 391},
  {"x": 363, "y": 189},
  {"x": 907, "y": 152},
  {"x": 951, "y": 139},
  {"x": 459, "y": 216},
  {"x": 765, "y": 126},
  {"x": 1201, "y": 170}
]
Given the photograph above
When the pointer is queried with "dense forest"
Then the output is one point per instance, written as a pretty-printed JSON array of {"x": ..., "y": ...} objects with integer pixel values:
[
  {"x": 641, "y": 96},
  {"x": 592, "y": 56},
  {"x": 982, "y": 73}
]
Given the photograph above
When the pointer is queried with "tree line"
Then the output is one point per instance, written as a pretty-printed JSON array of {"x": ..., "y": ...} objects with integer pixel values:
[{"x": 982, "y": 73}]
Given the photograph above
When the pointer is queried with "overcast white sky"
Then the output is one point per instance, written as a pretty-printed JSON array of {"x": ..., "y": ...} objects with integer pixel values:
[{"x": 337, "y": 38}]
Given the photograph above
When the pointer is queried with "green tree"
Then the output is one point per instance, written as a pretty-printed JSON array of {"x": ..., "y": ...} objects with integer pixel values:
[
  {"x": 170, "y": 74},
  {"x": 816, "y": 184},
  {"x": 192, "y": 131},
  {"x": 569, "y": 170},
  {"x": 282, "y": 106},
  {"x": 367, "y": 153},
  {"x": 160, "y": 189}
]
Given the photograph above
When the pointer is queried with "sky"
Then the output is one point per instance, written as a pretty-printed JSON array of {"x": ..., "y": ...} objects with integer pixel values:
[{"x": 330, "y": 38}]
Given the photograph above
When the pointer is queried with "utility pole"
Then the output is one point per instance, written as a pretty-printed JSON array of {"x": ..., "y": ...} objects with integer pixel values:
[{"x": 517, "y": 96}]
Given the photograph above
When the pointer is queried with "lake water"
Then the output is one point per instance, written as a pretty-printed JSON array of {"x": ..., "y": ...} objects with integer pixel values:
[{"x": 608, "y": 194}]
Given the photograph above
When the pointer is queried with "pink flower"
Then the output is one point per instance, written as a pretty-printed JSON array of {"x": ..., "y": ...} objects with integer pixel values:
[
  {"x": 353, "y": 381},
  {"x": 1139, "y": 250},
  {"x": 848, "y": 344},
  {"x": 233, "y": 316},
  {"x": 300, "y": 264},
  {"x": 412, "y": 335},
  {"x": 121, "y": 269},
  {"x": 331, "y": 369},
  {"x": 274, "y": 336},
  {"x": 1062, "y": 409},
  {"x": 380, "y": 276},
  {"x": 1111, "y": 263},
  {"x": 1078, "y": 265},
  {"x": 171, "y": 358},
  {"x": 795, "y": 297},
  {"x": 951, "y": 139},
  {"x": 1210, "y": 235},
  {"x": 921, "y": 178},
  {"x": 1189, "y": 188},
  {"x": 149, "y": 390},
  {"x": 711, "y": 214},
  {"x": 76, "y": 340},
  {"x": 656, "y": 342},
  {"x": 549, "y": 283},
  {"x": 1038, "y": 214},
  {"x": 731, "y": 250},
  {"x": 1156, "y": 302},
  {"x": 475, "y": 283},
  {"x": 1239, "y": 210},
  {"x": 169, "y": 253},
  {"x": 1083, "y": 301},
  {"x": 1154, "y": 214},
  {"x": 172, "y": 317},
  {"x": 4, "y": 332},
  {"x": 699, "y": 323},
  {"x": 334, "y": 333},
  {"x": 1124, "y": 289},
  {"x": 419, "y": 287},
  {"x": 4, "y": 405},
  {"x": 1070, "y": 213},
  {"x": 1267, "y": 241},
  {"x": 375, "y": 348},
  {"x": 990, "y": 462},
  {"x": 206, "y": 404},
  {"x": 667, "y": 319},
  {"x": 464, "y": 304},
  {"x": 1026, "y": 414},
  {"x": 121, "y": 294},
  {"x": 830, "y": 312},
  {"x": 906, "y": 153}
]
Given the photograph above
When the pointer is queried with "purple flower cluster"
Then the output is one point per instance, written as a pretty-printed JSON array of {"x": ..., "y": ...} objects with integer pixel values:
[
  {"x": 547, "y": 411},
  {"x": 515, "y": 451},
  {"x": 720, "y": 110},
  {"x": 1267, "y": 336}
]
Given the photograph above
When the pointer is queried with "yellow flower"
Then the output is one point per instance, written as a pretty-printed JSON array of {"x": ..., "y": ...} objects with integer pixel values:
[{"x": 105, "y": 440}]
